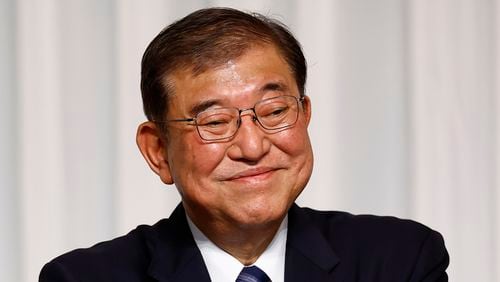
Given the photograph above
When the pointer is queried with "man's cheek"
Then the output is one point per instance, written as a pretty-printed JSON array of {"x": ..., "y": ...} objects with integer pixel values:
[
  {"x": 208, "y": 156},
  {"x": 292, "y": 142}
]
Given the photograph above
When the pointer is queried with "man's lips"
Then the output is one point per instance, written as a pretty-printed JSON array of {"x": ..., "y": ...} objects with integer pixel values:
[{"x": 251, "y": 173}]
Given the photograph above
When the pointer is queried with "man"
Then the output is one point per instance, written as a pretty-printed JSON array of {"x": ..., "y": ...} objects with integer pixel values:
[{"x": 223, "y": 92}]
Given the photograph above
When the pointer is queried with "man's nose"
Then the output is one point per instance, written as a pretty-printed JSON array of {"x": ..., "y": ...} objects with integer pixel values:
[{"x": 250, "y": 143}]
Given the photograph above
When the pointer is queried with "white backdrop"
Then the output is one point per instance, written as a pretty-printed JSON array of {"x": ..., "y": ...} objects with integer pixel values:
[{"x": 406, "y": 120}]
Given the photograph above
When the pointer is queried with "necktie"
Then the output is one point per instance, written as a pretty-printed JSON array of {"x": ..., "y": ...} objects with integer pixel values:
[{"x": 252, "y": 274}]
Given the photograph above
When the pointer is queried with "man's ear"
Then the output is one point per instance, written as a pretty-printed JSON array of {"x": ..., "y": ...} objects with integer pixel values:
[
  {"x": 306, "y": 106},
  {"x": 153, "y": 149}
]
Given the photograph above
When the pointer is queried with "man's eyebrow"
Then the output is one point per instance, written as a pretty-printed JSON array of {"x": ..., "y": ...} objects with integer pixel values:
[
  {"x": 203, "y": 105},
  {"x": 274, "y": 86}
]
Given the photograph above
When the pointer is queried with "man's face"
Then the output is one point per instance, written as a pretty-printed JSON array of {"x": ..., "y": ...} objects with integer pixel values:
[{"x": 253, "y": 178}]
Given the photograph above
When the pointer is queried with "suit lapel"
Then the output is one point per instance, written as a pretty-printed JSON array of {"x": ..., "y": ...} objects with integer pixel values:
[
  {"x": 309, "y": 256},
  {"x": 174, "y": 254}
]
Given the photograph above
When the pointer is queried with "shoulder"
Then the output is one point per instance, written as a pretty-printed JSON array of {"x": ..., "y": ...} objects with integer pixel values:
[
  {"x": 382, "y": 243},
  {"x": 368, "y": 228},
  {"x": 125, "y": 256}
]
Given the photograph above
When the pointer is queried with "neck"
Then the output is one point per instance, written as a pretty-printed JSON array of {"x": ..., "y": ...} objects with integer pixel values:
[
  {"x": 245, "y": 243},
  {"x": 248, "y": 245}
]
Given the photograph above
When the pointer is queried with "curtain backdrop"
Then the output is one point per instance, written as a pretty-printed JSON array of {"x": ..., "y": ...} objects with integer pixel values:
[{"x": 406, "y": 120}]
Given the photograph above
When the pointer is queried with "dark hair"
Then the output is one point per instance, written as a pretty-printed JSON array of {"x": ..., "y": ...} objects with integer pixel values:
[{"x": 206, "y": 39}]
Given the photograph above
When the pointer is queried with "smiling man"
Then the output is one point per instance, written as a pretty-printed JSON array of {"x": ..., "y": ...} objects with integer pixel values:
[{"x": 224, "y": 94}]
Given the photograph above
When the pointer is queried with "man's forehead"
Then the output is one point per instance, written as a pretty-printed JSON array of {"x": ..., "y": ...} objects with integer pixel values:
[
  {"x": 208, "y": 63},
  {"x": 258, "y": 71}
]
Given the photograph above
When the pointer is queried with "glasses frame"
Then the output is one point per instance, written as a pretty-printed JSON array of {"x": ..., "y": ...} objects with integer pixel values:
[{"x": 255, "y": 117}]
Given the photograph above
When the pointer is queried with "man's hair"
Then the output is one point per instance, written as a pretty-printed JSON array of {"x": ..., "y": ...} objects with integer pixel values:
[{"x": 207, "y": 39}]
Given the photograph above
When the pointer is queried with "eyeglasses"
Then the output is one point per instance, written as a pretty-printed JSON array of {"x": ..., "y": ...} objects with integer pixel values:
[{"x": 272, "y": 114}]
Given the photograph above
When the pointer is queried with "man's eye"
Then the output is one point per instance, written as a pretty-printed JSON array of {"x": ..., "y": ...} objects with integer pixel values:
[
  {"x": 276, "y": 112},
  {"x": 215, "y": 123}
]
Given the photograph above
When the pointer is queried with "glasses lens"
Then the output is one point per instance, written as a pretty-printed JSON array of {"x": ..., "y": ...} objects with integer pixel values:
[
  {"x": 217, "y": 124},
  {"x": 277, "y": 113},
  {"x": 274, "y": 113}
]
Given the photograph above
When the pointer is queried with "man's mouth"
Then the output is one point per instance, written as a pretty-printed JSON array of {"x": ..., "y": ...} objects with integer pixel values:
[{"x": 253, "y": 173}]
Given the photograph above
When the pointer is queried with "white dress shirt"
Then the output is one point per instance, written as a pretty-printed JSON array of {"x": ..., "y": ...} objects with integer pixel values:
[{"x": 222, "y": 267}]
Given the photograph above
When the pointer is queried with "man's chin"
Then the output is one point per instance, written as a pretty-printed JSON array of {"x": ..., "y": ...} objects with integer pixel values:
[{"x": 260, "y": 218}]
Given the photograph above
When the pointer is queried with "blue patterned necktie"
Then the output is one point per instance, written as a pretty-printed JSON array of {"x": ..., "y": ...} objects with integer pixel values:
[{"x": 252, "y": 274}]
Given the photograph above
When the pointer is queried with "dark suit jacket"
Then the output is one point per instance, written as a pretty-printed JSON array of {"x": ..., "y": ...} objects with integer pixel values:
[{"x": 321, "y": 246}]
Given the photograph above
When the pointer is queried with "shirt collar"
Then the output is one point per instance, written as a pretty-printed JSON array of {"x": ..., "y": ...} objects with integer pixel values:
[{"x": 224, "y": 267}]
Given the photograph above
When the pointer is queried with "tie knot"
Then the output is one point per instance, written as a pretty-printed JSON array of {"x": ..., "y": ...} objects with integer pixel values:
[{"x": 252, "y": 274}]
